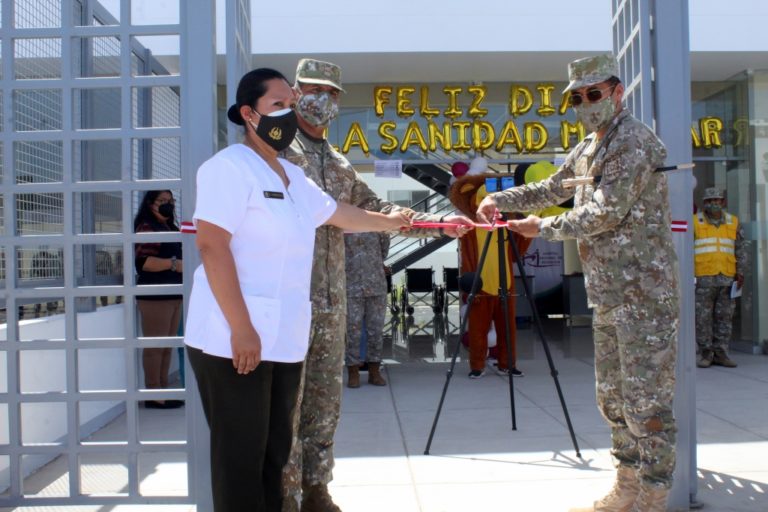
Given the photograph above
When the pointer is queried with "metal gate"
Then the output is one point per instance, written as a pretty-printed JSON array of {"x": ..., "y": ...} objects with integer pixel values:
[
  {"x": 91, "y": 118},
  {"x": 650, "y": 38}
]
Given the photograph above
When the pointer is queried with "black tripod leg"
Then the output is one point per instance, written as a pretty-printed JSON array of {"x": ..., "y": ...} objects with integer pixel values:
[
  {"x": 462, "y": 330},
  {"x": 540, "y": 329},
  {"x": 504, "y": 299}
]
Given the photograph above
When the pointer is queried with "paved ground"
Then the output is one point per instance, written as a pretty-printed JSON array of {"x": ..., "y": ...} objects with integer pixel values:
[{"x": 477, "y": 461}]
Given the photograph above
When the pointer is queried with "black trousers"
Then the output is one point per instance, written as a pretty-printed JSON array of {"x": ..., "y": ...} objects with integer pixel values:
[{"x": 251, "y": 429}]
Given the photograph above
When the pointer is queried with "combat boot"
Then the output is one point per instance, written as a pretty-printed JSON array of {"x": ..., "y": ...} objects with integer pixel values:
[
  {"x": 621, "y": 497},
  {"x": 374, "y": 374},
  {"x": 704, "y": 360},
  {"x": 353, "y": 376},
  {"x": 721, "y": 359},
  {"x": 315, "y": 498},
  {"x": 651, "y": 499}
]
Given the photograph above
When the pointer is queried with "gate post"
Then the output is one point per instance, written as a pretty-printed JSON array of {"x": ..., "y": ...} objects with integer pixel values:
[
  {"x": 199, "y": 130},
  {"x": 672, "y": 93}
]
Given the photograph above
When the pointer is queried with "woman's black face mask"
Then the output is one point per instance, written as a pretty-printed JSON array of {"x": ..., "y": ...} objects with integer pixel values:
[
  {"x": 278, "y": 128},
  {"x": 166, "y": 210}
]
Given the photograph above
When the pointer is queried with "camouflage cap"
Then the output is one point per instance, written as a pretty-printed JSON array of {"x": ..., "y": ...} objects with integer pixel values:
[
  {"x": 713, "y": 193},
  {"x": 591, "y": 70},
  {"x": 311, "y": 71}
]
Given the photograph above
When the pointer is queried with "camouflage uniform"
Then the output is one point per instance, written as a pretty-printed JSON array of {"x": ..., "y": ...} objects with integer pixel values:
[
  {"x": 714, "y": 305},
  {"x": 622, "y": 225},
  {"x": 366, "y": 294},
  {"x": 311, "y": 460}
]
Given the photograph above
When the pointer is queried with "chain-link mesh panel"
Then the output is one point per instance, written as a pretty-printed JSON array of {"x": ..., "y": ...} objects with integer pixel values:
[
  {"x": 2, "y": 271},
  {"x": 37, "y": 109},
  {"x": 37, "y": 58},
  {"x": 39, "y": 214},
  {"x": 98, "y": 212},
  {"x": 38, "y": 161},
  {"x": 39, "y": 263},
  {"x": 155, "y": 106},
  {"x": 94, "y": 57},
  {"x": 61, "y": 57},
  {"x": 631, "y": 38},
  {"x": 156, "y": 159},
  {"x": 96, "y": 108},
  {"x": 37, "y": 13},
  {"x": 105, "y": 12},
  {"x": 137, "y": 65},
  {"x": 96, "y": 160},
  {"x": 98, "y": 264}
]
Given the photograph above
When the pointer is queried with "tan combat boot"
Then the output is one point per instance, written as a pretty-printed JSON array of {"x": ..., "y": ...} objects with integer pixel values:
[
  {"x": 353, "y": 376},
  {"x": 374, "y": 375},
  {"x": 651, "y": 499},
  {"x": 721, "y": 359},
  {"x": 621, "y": 497},
  {"x": 704, "y": 360},
  {"x": 316, "y": 498}
]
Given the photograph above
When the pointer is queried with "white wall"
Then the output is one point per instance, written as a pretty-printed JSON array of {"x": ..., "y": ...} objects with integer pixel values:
[{"x": 43, "y": 371}]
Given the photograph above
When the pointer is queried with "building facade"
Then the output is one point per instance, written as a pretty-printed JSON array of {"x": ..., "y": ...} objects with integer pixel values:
[{"x": 103, "y": 100}]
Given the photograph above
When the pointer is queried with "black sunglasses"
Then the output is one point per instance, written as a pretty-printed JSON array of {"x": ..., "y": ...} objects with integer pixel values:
[{"x": 592, "y": 96}]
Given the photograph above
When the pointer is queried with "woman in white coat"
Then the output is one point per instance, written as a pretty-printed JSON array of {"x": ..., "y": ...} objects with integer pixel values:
[{"x": 249, "y": 312}]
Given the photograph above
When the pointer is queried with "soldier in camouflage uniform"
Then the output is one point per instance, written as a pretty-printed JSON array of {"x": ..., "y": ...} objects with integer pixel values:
[
  {"x": 622, "y": 225},
  {"x": 366, "y": 303},
  {"x": 720, "y": 258},
  {"x": 309, "y": 468}
]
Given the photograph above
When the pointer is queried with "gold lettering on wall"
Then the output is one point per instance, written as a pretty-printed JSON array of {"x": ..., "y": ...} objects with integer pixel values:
[{"x": 475, "y": 133}]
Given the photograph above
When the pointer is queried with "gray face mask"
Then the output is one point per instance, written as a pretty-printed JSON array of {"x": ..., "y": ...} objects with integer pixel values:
[
  {"x": 595, "y": 116},
  {"x": 318, "y": 109}
]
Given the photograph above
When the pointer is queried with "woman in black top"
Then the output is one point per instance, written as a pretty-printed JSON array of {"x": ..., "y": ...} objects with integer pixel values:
[{"x": 158, "y": 263}]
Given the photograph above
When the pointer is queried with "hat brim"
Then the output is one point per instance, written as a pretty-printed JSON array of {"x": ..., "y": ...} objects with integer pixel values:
[
  {"x": 578, "y": 84},
  {"x": 320, "y": 81}
]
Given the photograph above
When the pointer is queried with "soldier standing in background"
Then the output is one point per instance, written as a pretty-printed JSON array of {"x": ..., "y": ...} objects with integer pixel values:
[
  {"x": 719, "y": 261},
  {"x": 366, "y": 303},
  {"x": 309, "y": 468},
  {"x": 622, "y": 224}
]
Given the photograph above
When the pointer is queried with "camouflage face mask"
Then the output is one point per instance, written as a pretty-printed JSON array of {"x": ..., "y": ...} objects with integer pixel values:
[
  {"x": 318, "y": 109},
  {"x": 713, "y": 208},
  {"x": 595, "y": 116}
]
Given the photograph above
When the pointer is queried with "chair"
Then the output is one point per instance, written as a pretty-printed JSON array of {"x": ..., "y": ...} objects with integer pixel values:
[
  {"x": 419, "y": 282},
  {"x": 392, "y": 291},
  {"x": 450, "y": 289}
]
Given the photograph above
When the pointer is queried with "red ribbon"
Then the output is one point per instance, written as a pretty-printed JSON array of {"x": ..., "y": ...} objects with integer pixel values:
[{"x": 440, "y": 225}]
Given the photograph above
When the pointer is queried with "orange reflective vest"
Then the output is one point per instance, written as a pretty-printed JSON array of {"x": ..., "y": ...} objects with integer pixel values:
[{"x": 714, "y": 249}]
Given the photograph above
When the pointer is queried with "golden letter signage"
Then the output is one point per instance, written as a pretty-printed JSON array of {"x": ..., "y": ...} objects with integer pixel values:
[{"x": 455, "y": 120}]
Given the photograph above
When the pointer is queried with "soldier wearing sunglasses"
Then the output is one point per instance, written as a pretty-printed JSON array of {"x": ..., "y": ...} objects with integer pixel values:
[{"x": 622, "y": 226}]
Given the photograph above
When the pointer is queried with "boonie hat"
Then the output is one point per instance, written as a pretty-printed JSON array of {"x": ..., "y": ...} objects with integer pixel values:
[
  {"x": 713, "y": 193},
  {"x": 592, "y": 70},
  {"x": 311, "y": 71}
]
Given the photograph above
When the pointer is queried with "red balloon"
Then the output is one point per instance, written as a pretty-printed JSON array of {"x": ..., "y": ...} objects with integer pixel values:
[{"x": 459, "y": 169}]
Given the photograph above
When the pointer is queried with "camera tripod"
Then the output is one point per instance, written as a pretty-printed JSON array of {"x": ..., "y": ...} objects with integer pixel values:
[{"x": 503, "y": 295}]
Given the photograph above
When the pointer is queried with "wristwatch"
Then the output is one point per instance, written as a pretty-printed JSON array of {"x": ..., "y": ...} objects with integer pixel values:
[{"x": 173, "y": 263}]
